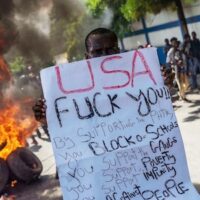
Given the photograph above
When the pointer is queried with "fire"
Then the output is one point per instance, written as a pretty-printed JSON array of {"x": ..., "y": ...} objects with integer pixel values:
[
  {"x": 15, "y": 126},
  {"x": 13, "y": 183},
  {"x": 16, "y": 122}
]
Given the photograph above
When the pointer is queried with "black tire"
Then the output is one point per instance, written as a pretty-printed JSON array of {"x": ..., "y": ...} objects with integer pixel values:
[
  {"x": 4, "y": 174},
  {"x": 25, "y": 165}
]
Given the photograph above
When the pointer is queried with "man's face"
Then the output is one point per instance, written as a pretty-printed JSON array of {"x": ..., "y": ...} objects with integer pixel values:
[
  {"x": 166, "y": 41},
  {"x": 174, "y": 43},
  {"x": 194, "y": 35},
  {"x": 101, "y": 45}
]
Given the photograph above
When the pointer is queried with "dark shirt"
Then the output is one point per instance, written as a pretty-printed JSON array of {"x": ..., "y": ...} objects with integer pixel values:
[{"x": 195, "y": 48}]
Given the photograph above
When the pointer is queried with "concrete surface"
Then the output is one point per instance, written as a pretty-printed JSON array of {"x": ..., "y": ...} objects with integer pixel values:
[{"x": 188, "y": 116}]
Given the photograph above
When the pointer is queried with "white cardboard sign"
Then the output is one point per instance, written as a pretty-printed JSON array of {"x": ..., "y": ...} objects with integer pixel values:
[{"x": 113, "y": 130}]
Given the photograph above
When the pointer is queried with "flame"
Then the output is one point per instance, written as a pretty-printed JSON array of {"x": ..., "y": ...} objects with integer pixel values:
[
  {"x": 16, "y": 122},
  {"x": 13, "y": 183},
  {"x": 15, "y": 126}
]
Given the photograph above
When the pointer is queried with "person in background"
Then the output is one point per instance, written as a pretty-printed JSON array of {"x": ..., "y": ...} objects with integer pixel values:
[
  {"x": 187, "y": 45},
  {"x": 168, "y": 76},
  {"x": 193, "y": 65},
  {"x": 196, "y": 45},
  {"x": 177, "y": 59},
  {"x": 170, "y": 52},
  {"x": 167, "y": 46}
]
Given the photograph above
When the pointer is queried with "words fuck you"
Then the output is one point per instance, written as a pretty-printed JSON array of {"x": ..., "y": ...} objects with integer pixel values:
[{"x": 144, "y": 99}]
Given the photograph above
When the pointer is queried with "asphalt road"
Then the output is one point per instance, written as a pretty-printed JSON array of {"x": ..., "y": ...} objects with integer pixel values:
[{"x": 188, "y": 116}]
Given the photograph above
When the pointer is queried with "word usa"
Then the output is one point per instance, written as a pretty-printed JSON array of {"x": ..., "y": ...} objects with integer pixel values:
[{"x": 130, "y": 76}]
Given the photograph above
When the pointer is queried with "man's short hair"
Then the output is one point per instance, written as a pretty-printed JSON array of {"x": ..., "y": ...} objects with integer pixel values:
[
  {"x": 194, "y": 33},
  {"x": 166, "y": 40},
  {"x": 99, "y": 31},
  {"x": 173, "y": 39}
]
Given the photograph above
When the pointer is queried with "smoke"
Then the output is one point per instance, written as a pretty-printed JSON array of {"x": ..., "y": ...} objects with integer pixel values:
[
  {"x": 21, "y": 31},
  {"x": 26, "y": 8},
  {"x": 34, "y": 29},
  {"x": 26, "y": 29},
  {"x": 7, "y": 27},
  {"x": 70, "y": 23},
  {"x": 33, "y": 44},
  {"x": 66, "y": 9},
  {"x": 6, "y": 8},
  {"x": 67, "y": 27}
]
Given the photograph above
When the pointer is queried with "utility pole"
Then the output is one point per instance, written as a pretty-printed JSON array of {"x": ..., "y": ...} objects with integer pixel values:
[{"x": 181, "y": 17}]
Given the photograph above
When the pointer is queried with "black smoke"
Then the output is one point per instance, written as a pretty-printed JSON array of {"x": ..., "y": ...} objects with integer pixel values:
[{"x": 24, "y": 38}]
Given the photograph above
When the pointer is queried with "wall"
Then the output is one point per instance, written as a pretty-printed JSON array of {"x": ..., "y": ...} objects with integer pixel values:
[{"x": 163, "y": 25}]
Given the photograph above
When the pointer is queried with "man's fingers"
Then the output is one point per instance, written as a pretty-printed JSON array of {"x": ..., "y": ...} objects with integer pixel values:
[
  {"x": 39, "y": 110},
  {"x": 39, "y": 107},
  {"x": 39, "y": 103},
  {"x": 35, "y": 108},
  {"x": 40, "y": 114}
]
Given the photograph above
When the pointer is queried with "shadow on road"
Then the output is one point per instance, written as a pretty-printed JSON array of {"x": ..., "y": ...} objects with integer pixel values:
[
  {"x": 197, "y": 186},
  {"x": 195, "y": 103},
  {"x": 175, "y": 107},
  {"x": 194, "y": 115},
  {"x": 35, "y": 148}
]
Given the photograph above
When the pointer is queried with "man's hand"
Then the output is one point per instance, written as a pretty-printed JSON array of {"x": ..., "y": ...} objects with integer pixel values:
[{"x": 39, "y": 110}]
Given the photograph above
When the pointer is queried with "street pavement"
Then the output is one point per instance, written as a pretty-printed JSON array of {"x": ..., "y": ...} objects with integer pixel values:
[{"x": 188, "y": 116}]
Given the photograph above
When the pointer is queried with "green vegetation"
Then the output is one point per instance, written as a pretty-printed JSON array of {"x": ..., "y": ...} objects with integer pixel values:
[
  {"x": 70, "y": 23},
  {"x": 127, "y": 11},
  {"x": 17, "y": 65}
]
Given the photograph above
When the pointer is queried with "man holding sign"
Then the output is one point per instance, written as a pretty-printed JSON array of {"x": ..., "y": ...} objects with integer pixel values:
[
  {"x": 112, "y": 126},
  {"x": 99, "y": 42}
]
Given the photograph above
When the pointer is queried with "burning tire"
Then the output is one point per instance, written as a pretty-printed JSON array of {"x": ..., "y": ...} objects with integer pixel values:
[
  {"x": 24, "y": 164},
  {"x": 4, "y": 174}
]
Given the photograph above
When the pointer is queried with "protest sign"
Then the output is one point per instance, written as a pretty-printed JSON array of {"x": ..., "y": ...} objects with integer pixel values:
[{"x": 113, "y": 130}]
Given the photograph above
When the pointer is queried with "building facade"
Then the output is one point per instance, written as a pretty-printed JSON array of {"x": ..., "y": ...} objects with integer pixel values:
[{"x": 155, "y": 28}]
